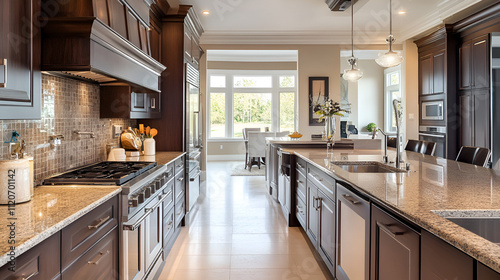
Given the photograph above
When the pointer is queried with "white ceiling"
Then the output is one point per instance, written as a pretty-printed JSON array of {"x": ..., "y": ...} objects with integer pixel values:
[{"x": 312, "y": 22}]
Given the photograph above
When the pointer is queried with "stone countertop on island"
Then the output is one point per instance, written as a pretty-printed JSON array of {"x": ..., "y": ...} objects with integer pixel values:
[
  {"x": 358, "y": 143},
  {"x": 431, "y": 186},
  {"x": 50, "y": 209}
]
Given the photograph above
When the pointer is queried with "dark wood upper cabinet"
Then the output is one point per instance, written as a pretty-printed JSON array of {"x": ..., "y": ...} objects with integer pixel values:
[
  {"x": 426, "y": 75},
  {"x": 438, "y": 82},
  {"x": 117, "y": 17},
  {"x": 395, "y": 248},
  {"x": 441, "y": 261},
  {"x": 481, "y": 62},
  {"x": 20, "y": 76},
  {"x": 133, "y": 29},
  {"x": 465, "y": 63},
  {"x": 466, "y": 119},
  {"x": 481, "y": 119},
  {"x": 123, "y": 101}
]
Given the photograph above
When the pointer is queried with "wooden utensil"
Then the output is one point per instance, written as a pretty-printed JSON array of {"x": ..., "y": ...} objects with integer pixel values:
[
  {"x": 148, "y": 129},
  {"x": 153, "y": 131}
]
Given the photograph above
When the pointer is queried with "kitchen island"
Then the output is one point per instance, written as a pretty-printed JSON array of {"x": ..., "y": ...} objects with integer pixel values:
[{"x": 434, "y": 188}]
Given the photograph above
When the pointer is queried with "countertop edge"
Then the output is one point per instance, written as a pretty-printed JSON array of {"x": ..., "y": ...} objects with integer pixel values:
[
  {"x": 451, "y": 238},
  {"x": 27, "y": 245}
]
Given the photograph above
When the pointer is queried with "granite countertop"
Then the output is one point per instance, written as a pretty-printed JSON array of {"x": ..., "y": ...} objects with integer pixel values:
[
  {"x": 159, "y": 157},
  {"x": 362, "y": 143},
  {"x": 433, "y": 185},
  {"x": 51, "y": 209}
]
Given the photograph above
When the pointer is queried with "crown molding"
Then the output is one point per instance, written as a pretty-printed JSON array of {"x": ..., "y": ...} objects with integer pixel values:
[{"x": 318, "y": 37}]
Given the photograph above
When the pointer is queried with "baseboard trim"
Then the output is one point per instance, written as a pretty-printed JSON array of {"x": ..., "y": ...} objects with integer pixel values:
[{"x": 225, "y": 157}]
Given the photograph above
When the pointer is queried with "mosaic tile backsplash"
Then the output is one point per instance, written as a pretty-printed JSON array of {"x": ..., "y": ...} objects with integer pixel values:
[{"x": 67, "y": 105}]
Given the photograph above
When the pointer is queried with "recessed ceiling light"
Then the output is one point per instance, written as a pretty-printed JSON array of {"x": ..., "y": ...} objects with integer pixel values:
[
  {"x": 402, "y": 12},
  {"x": 205, "y": 12}
]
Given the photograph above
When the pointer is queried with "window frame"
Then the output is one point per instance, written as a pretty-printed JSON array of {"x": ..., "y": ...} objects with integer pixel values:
[
  {"x": 388, "y": 89},
  {"x": 229, "y": 91}
]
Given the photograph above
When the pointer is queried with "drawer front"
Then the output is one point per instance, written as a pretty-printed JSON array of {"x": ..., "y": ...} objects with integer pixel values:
[
  {"x": 168, "y": 226},
  {"x": 179, "y": 185},
  {"x": 168, "y": 192},
  {"x": 301, "y": 165},
  {"x": 179, "y": 211},
  {"x": 301, "y": 212},
  {"x": 80, "y": 235},
  {"x": 39, "y": 263},
  {"x": 179, "y": 164},
  {"x": 101, "y": 262},
  {"x": 301, "y": 186},
  {"x": 322, "y": 181}
]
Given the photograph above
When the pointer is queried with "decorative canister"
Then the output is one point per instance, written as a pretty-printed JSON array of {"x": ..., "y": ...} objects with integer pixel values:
[
  {"x": 16, "y": 181},
  {"x": 149, "y": 147}
]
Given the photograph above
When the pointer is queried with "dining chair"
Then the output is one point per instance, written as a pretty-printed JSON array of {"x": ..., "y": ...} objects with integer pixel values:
[
  {"x": 245, "y": 138},
  {"x": 257, "y": 147},
  {"x": 427, "y": 147},
  {"x": 413, "y": 145},
  {"x": 474, "y": 155},
  {"x": 391, "y": 142}
]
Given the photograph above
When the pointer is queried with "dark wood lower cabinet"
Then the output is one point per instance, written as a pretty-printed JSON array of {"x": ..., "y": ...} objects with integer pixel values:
[
  {"x": 39, "y": 263},
  {"x": 100, "y": 262},
  {"x": 486, "y": 273},
  {"x": 441, "y": 261},
  {"x": 395, "y": 248}
]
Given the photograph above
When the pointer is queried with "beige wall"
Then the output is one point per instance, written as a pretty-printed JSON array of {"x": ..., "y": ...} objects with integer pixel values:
[
  {"x": 232, "y": 65},
  {"x": 409, "y": 72},
  {"x": 225, "y": 148}
]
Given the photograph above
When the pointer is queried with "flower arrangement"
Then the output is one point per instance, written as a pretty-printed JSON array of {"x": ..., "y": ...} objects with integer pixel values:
[{"x": 329, "y": 109}]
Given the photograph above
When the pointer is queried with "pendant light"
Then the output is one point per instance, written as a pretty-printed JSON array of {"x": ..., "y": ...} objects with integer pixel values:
[
  {"x": 390, "y": 58},
  {"x": 354, "y": 73}
]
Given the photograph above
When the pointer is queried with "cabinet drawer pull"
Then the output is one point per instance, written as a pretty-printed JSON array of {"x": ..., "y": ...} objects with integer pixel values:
[
  {"x": 318, "y": 204},
  {"x": 180, "y": 211},
  {"x": 171, "y": 222},
  {"x": 136, "y": 225},
  {"x": 299, "y": 209},
  {"x": 101, "y": 255},
  {"x": 101, "y": 222},
  {"x": 179, "y": 166},
  {"x": 3, "y": 78},
  {"x": 350, "y": 199},
  {"x": 314, "y": 199},
  {"x": 388, "y": 230},
  {"x": 180, "y": 179},
  {"x": 31, "y": 275},
  {"x": 300, "y": 166},
  {"x": 316, "y": 177},
  {"x": 300, "y": 182}
]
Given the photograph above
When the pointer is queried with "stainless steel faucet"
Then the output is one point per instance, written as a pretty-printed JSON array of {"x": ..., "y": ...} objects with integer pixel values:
[
  {"x": 386, "y": 158},
  {"x": 398, "y": 111}
]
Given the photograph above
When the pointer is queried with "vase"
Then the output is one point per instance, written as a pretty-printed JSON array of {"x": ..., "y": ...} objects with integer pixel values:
[
  {"x": 330, "y": 130},
  {"x": 149, "y": 147}
]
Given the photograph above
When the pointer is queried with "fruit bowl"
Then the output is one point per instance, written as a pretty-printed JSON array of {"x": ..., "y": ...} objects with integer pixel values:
[{"x": 295, "y": 135}]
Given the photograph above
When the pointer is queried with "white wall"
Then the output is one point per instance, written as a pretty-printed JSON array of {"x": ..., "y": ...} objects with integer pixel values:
[{"x": 366, "y": 95}]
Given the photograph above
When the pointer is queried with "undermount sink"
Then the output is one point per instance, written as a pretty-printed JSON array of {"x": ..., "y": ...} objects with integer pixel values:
[
  {"x": 367, "y": 167},
  {"x": 486, "y": 227}
]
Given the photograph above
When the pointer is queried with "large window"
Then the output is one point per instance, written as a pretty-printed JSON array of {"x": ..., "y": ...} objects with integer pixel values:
[
  {"x": 239, "y": 99},
  {"x": 392, "y": 86}
]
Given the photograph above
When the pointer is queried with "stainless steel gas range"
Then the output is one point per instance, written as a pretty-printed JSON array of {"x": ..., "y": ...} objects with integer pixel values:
[{"x": 145, "y": 186}]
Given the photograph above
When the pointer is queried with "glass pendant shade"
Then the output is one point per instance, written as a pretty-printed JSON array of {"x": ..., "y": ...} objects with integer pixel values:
[
  {"x": 354, "y": 73},
  {"x": 389, "y": 59}
]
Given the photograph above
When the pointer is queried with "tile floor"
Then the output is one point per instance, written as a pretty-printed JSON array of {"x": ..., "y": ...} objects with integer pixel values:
[{"x": 239, "y": 233}]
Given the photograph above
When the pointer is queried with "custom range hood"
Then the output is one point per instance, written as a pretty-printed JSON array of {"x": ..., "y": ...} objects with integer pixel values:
[{"x": 101, "y": 41}]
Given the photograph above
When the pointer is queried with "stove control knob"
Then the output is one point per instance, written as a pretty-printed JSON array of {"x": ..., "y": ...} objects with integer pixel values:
[
  {"x": 133, "y": 202},
  {"x": 147, "y": 192},
  {"x": 158, "y": 183},
  {"x": 152, "y": 187},
  {"x": 140, "y": 198}
]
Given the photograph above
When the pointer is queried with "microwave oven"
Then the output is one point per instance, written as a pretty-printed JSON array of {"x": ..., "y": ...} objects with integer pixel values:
[{"x": 432, "y": 110}]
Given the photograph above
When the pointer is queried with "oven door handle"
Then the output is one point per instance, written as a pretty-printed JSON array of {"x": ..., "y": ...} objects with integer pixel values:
[
  {"x": 431, "y": 135},
  {"x": 136, "y": 225},
  {"x": 158, "y": 203},
  {"x": 195, "y": 176}
]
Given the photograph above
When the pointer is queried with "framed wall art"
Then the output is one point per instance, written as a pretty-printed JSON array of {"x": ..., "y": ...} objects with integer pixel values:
[{"x": 318, "y": 93}]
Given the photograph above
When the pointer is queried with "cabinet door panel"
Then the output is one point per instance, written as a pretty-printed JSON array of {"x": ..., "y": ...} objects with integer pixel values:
[
  {"x": 438, "y": 73},
  {"x": 139, "y": 102},
  {"x": 486, "y": 273},
  {"x": 426, "y": 76},
  {"x": 395, "y": 249},
  {"x": 466, "y": 129},
  {"x": 480, "y": 62},
  {"x": 441, "y": 261},
  {"x": 327, "y": 229},
  {"x": 465, "y": 65},
  {"x": 481, "y": 118},
  {"x": 117, "y": 17},
  {"x": 133, "y": 29},
  {"x": 312, "y": 213}
]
